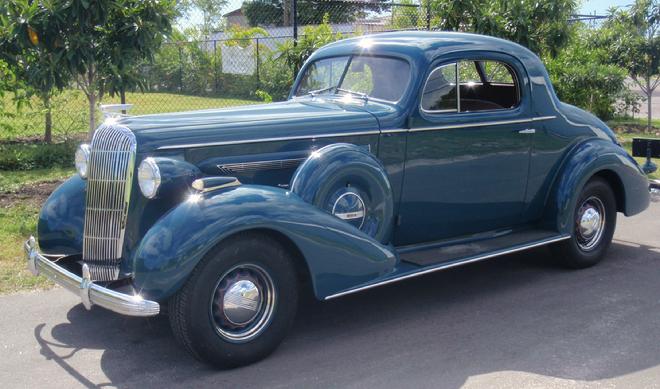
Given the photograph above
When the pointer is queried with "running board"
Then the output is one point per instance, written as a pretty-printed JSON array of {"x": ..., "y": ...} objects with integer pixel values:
[{"x": 447, "y": 265}]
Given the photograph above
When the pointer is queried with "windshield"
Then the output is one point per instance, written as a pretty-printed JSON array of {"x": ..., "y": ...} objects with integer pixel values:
[{"x": 378, "y": 77}]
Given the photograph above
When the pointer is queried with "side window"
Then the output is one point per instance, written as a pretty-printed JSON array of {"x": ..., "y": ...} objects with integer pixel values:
[
  {"x": 496, "y": 72},
  {"x": 487, "y": 86},
  {"x": 440, "y": 91}
]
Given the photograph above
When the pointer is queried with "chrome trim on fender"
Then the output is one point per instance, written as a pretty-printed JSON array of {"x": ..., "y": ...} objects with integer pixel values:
[
  {"x": 449, "y": 266},
  {"x": 481, "y": 124},
  {"x": 358, "y": 133},
  {"x": 204, "y": 185},
  {"x": 89, "y": 292},
  {"x": 278, "y": 139}
]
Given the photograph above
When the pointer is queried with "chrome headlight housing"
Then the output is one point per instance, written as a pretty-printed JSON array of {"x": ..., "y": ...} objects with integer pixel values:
[
  {"x": 82, "y": 160},
  {"x": 149, "y": 178}
]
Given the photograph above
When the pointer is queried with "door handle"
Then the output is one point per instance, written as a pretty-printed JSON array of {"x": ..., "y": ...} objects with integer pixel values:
[{"x": 527, "y": 131}]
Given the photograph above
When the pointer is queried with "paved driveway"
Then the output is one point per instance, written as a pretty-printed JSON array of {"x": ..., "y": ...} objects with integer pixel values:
[{"x": 511, "y": 322}]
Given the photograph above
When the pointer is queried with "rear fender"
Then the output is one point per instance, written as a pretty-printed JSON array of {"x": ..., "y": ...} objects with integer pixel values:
[
  {"x": 586, "y": 160},
  {"x": 337, "y": 254}
]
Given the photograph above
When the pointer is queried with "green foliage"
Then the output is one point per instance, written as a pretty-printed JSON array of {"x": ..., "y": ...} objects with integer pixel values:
[
  {"x": 211, "y": 11},
  {"x": 311, "y": 39},
  {"x": 406, "y": 15},
  {"x": 264, "y": 12},
  {"x": 244, "y": 37},
  {"x": 631, "y": 37},
  {"x": 279, "y": 12},
  {"x": 542, "y": 26},
  {"x": 276, "y": 76},
  {"x": 101, "y": 43},
  {"x": 27, "y": 156},
  {"x": 581, "y": 76},
  {"x": 264, "y": 96}
]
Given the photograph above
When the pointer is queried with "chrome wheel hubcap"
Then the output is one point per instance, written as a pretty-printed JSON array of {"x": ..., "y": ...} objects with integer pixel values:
[
  {"x": 242, "y": 303},
  {"x": 590, "y": 223}
]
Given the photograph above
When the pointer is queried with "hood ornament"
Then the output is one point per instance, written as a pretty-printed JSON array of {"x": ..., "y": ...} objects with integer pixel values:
[{"x": 111, "y": 111}]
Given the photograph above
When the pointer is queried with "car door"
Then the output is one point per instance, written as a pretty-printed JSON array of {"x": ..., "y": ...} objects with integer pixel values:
[{"x": 468, "y": 150}]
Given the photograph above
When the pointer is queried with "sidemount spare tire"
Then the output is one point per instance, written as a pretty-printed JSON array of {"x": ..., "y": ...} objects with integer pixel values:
[{"x": 348, "y": 181}]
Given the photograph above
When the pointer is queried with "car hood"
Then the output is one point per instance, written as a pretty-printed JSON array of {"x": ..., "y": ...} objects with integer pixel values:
[{"x": 289, "y": 119}]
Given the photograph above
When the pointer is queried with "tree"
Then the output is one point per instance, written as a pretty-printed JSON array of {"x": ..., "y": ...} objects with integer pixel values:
[
  {"x": 211, "y": 13},
  {"x": 313, "y": 38},
  {"x": 33, "y": 51},
  {"x": 541, "y": 26},
  {"x": 581, "y": 75},
  {"x": 279, "y": 12},
  {"x": 106, "y": 39},
  {"x": 631, "y": 36},
  {"x": 98, "y": 43}
]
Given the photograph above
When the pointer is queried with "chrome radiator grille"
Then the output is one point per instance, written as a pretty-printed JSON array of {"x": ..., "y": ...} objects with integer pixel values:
[{"x": 109, "y": 178}]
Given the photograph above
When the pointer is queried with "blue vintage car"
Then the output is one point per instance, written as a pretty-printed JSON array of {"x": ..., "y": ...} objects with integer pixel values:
[{"x": 396, "y": 155}]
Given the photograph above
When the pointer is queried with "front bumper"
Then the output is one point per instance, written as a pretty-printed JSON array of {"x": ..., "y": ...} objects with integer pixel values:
[{"x": 90, "y": 293}]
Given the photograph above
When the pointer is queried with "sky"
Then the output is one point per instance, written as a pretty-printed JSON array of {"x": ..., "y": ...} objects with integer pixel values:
[{"x": 600, "y": 7}]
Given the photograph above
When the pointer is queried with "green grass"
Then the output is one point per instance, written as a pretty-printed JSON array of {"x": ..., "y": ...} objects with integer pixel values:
[
  {"x": 624, "y": 121},
  {"x": 18, "y": 220},
  {"x": 71, "y": 116},
  {"x": 11, "y": 181}
]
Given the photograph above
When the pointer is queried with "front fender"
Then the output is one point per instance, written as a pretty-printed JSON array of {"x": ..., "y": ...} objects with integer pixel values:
[
  {"x": 62, "y": 219},
  {"x": 337, "y": 254},
  {"x": 585, "y": 160}
]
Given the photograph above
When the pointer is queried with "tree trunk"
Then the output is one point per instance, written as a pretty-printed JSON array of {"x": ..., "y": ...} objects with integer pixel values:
[
  {"x": 92, "y": 113},
  {"x": 122, "y": 96},
  {"x": 48, "y": 133}
]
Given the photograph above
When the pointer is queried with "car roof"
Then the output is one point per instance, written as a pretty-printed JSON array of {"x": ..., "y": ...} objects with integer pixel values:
[{"x": 422, "y": 44}]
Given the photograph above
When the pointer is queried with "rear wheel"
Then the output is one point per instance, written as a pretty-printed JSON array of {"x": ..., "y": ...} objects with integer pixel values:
[
  {"x": 594, "y": 221},
  {"x": 238, "y": 304}
]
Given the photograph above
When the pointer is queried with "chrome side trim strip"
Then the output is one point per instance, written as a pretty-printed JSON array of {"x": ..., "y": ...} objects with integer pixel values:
[
  {"x": 357, "y": 133},
  {"x": 394, "y": 131},
  {"x": 278, "y": 139},
  {"x": 467, "y": 125},
  {"x": 450, "y": 265},
  {"x": 539, "y": 118}
]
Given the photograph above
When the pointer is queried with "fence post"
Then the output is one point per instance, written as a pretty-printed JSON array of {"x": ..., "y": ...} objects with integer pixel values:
[
  {"x": 215, "y": 66},
  {"x": 428, "y": 15},
  {"x": 257, "y": 62},
  {"x": 294, "y": 10},
  {"x": 180, "y": 69}
]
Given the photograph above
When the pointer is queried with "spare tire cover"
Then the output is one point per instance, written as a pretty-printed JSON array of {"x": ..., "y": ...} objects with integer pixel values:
[{"x": 349, "y": 182}]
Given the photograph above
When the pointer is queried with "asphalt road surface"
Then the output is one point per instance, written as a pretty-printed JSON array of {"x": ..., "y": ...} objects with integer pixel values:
[{"x": 515, "y": 321}]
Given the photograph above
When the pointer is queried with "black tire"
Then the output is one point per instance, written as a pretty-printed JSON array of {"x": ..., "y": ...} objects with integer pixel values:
[
  {"x": 580, "y": 252},
  {"x": 194, "y": 310}
]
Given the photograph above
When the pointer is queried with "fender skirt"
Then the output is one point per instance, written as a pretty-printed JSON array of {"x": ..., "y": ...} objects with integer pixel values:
[
  {"x": 337, "y": 254},
  {"x": 592, "y": 157}
]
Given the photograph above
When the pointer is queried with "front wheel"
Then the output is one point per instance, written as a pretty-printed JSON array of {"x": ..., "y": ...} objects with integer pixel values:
[
  {"x": 594, "y": 221},
  {"x": 238, "y": 304}
]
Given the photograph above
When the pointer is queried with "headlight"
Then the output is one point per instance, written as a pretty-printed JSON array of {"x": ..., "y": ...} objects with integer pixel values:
[
  {"x": 82, "y": 160},
  {"x": 149, "y": 178}
]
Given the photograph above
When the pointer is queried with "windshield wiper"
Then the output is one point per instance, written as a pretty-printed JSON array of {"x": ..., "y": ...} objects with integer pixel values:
[{"x": 361, "y": 95}]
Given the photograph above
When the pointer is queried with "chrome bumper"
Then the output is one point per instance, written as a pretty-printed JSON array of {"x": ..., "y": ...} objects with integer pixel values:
[{"x": 89, "y": 292}]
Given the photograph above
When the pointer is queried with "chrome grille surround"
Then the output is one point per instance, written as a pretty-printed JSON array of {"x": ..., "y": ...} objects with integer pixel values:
[{"x": 109, "y": 183}]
